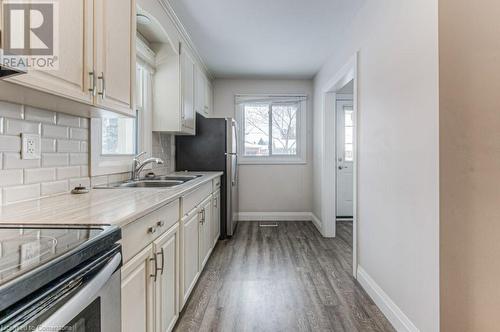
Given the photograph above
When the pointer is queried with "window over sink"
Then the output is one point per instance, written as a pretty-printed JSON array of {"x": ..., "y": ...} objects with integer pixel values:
[
  {"x": 119, "y": 136},
  {"x": 272, "y": 129},
  {"x": 116, "y": 140}
]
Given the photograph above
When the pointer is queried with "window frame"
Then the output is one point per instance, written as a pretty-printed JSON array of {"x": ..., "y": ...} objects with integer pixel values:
[
  {"x": 105, "y": 164},
  {"x": 300, "y": 157}
]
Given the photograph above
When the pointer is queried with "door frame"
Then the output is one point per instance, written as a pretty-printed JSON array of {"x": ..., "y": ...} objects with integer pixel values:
[{"x": 348, "y": 72}]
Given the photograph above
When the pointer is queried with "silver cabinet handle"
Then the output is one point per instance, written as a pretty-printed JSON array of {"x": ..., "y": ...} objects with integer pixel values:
[
  {"x": 102, "y": 93},
  {"x": 215, "y": 202},
  {"x": 160, "y": 223},
  {"x": 155, "y": 275},
  {"x": 204, "y": 214},
  {"x": 200, "y": 214},
  {"x": 152, "y": 230},
  {"x": 93, "y": 87}
]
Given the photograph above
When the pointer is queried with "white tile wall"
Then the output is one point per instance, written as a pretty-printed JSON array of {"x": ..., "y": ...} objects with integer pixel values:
[
  {"x": 64, "y": 162},
  {"x": 65, "y": 154},
  {"x": 52, "y": 188}
]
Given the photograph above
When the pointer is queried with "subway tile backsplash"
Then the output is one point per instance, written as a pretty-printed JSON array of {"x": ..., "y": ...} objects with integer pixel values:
[
  {"x": 64, "y": 162},
  {"x": 64, "y": 158}
]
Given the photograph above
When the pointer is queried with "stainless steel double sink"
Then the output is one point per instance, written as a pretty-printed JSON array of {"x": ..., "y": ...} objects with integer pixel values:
[{"x": 152, "y": 182}]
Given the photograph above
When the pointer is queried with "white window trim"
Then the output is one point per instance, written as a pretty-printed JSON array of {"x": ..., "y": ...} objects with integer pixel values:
[
  {"x": 299, "y": 159},
  {"x": 112, "y": 164},
  {"x": 105, "y": 164}
]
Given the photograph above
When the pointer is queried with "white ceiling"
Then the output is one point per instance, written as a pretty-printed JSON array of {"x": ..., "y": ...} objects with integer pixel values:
[{"x": 265, "y": 38}]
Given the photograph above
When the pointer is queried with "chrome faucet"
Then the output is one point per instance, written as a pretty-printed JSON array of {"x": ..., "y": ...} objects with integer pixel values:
[{"x": 139, "y": 164}]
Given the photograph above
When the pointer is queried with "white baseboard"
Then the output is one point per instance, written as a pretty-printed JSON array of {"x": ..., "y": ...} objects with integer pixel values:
[
  {"x": 394, "y": 314},
  {"x": 281, "y": 216},
  {"x": 317, "y": 222},
  {"x": 274, "y": 216}
]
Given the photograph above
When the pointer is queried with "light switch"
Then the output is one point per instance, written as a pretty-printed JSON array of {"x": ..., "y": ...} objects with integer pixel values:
[{"x": 31, "y": 146}]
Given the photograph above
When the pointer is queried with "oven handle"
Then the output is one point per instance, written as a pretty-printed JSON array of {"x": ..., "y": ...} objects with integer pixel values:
[{"x": 82, "y": 299}]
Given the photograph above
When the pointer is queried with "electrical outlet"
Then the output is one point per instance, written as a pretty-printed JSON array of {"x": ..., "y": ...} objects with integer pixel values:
[{"x": 31, "y": 146}]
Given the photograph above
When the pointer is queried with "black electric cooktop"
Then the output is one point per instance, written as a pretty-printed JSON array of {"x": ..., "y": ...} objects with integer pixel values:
[{"x": 31, "y": 257}]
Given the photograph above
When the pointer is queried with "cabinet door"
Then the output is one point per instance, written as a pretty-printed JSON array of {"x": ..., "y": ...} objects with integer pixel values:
[
  {"x": 75, "y": 58},
  {"x": 137, "y": 293},
  {"x": 166, "y": 295},
  {"x": 199, "y": 91},
  {"x": 216, "y": 218},
  {"x": 208, "y": 97},
  {"x": 205, "y": 232},
  {"x": 187, "y": 91},
  {"x": 115, "y": 54},
  {"x": 190, "y": 240}
]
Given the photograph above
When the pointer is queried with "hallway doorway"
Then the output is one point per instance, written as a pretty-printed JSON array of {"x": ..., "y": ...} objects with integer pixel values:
[{"x": 340, "y": 130}]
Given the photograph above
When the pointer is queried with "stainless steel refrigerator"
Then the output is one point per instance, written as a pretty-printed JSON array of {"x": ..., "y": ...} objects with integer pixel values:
[{"x": 214, "y": 148}]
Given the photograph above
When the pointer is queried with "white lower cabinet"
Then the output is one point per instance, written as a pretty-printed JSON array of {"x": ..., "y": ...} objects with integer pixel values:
[
  {"x": 190, "y": 243},
  {"x": 215, "y": 231},
  {"x": 163, "y": 259},
  {"x": 205, "y": 224},
  {"x": 166, "y": 248},
  {"x": 150, "y": 284},
  {"x": 150, "y": 276},
  {"x": 137, "y": 293}
]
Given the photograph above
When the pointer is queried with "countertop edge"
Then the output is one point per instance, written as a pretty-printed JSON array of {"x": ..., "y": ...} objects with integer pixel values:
[
  {"x": 143, "y": 212},
  {"x": 12, "y": 220}
]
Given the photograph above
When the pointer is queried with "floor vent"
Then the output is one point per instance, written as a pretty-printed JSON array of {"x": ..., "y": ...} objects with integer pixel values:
[{"x": 268, "y": 224}]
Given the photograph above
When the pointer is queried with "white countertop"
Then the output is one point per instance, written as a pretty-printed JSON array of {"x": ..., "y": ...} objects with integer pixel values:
[{"x": 98, "y": 207}]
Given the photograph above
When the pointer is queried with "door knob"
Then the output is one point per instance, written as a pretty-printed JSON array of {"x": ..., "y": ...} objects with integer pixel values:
[{"x": 340, "y": 167}]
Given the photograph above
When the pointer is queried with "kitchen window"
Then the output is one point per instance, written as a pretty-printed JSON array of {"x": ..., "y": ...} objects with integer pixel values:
[
  {"x": 272, "y": 129},
  {"x": 119, "y": 136},
  {"x": 115, "y": 141}
]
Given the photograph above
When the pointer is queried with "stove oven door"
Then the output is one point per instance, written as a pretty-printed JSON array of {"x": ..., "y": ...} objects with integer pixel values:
[
  {"x": 94, "y": 308},
  {"x": 84, "y": 300}
]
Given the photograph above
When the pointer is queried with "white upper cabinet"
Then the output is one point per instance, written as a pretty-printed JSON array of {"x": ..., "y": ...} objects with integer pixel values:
[
  {"x": 200, "y": 90},
  {"x": 187, "y": 90},
  {"x": 96, "y": 58},
  {"x": 209, "y": 97},
  {"x": 203, "y": 93},
  {"x": 115, "y": 54},
  {"x": 75, "y": 58},
  {"x": 173, "y": 101}
]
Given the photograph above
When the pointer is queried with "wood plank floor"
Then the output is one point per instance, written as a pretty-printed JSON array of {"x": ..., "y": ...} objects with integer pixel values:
[{"x": 287, "y": 278}]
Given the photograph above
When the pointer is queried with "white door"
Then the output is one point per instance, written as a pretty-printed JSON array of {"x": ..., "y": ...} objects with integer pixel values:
[{"x": 345, "y": 157}]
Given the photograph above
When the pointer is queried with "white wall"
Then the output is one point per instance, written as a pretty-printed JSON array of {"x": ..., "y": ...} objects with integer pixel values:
[
  {"x": 270, "y": 188},
  {"x": 398, "y": 150}
]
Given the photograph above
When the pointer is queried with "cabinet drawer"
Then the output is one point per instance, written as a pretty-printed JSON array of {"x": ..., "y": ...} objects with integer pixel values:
[
  {"x": 194, "y": 198},
  {"x": 216, "y": 184},
  {"x": 138, "y": 234}
]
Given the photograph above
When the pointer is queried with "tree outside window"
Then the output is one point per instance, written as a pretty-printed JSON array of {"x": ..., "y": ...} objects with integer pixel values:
[{"x": 271, "y": 129}]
